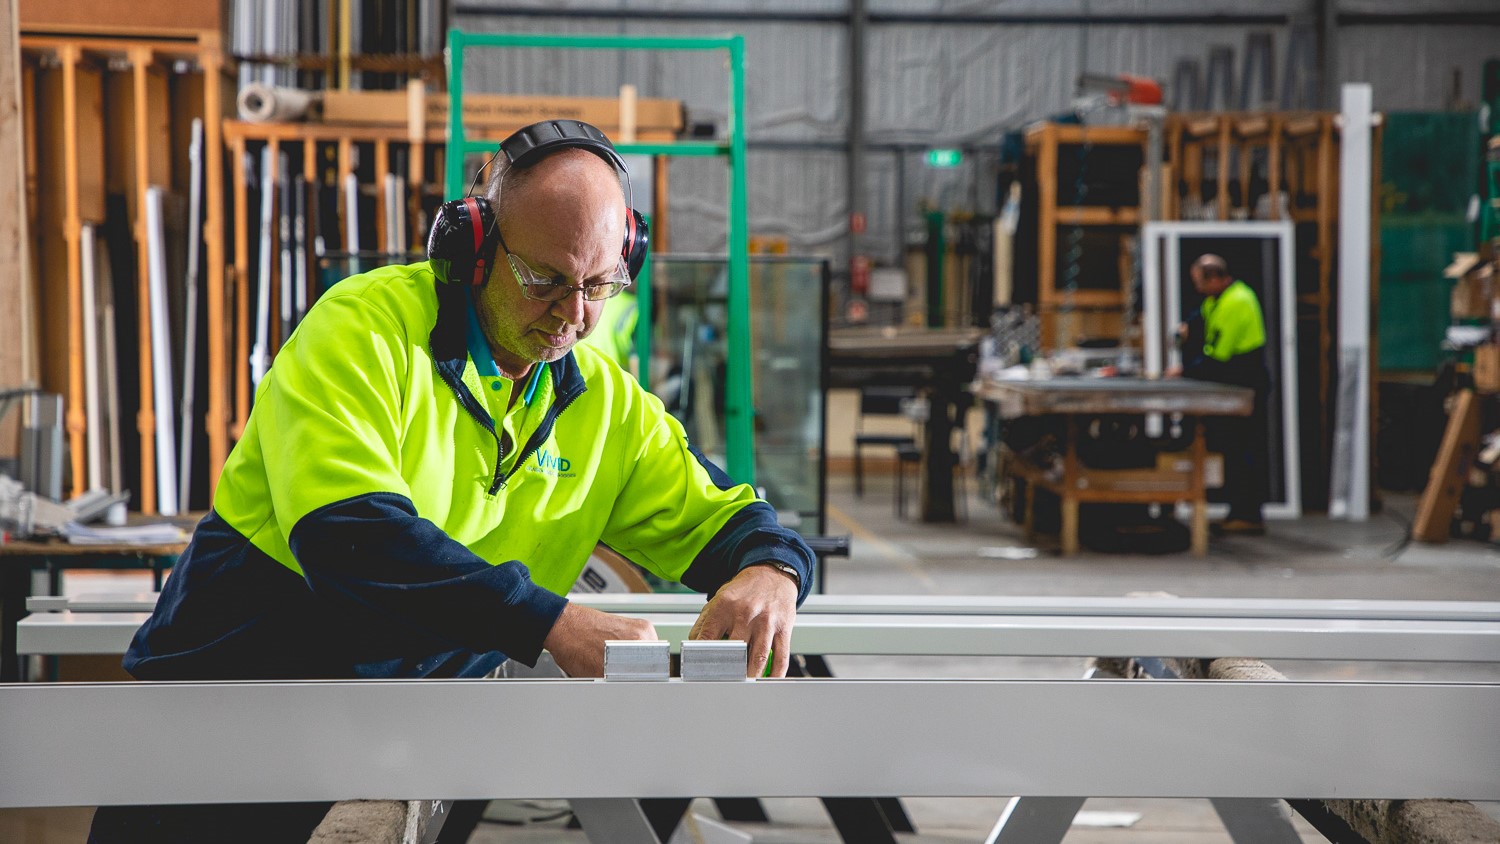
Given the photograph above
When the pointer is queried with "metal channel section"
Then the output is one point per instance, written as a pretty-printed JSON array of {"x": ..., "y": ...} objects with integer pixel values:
[
  {"x": 1151, "y": 607},
  {"x": 55, "y": 634},
  {"x": 394, "y": 740}
]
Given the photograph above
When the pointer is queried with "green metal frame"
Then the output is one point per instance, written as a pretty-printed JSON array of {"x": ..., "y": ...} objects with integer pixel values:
[{"x": 739, "y": 400}]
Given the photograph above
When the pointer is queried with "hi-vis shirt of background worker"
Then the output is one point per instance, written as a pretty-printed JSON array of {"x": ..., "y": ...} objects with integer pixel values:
[
  {"x": 1234, "y": 340},
  {"x": 1229, "y": 348},
  {"x": 391, "y": 512},
  {"x": 615, "y": 334}
]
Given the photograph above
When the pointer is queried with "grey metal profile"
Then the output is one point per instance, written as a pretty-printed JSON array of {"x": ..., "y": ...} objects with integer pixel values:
[
  {"x": 393, "y": 739},
  {"x": 977, "y": 635},
  {"x": 633, "y": 660},
  {"x": 1141, "y": 607},
  {"x": 714, "y": 660}
]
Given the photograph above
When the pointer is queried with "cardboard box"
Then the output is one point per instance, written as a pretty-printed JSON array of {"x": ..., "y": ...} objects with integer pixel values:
[{"x": 654, "y": 118}]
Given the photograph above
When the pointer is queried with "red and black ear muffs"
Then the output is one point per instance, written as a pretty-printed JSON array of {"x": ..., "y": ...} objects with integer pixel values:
[
  {"x": 463, "y": 241},
  {"x": 462, "y": 244}
]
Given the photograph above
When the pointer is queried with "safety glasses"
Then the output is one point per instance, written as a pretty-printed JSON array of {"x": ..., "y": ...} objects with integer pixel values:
[{"x": 543, "y": 288}]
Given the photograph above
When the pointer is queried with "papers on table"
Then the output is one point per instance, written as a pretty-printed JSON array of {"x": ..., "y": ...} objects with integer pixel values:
[{"x": 152, "y": 534}]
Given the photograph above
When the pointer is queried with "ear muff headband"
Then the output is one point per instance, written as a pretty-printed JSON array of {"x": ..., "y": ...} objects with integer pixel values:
[{"x": 524, "y": 148}]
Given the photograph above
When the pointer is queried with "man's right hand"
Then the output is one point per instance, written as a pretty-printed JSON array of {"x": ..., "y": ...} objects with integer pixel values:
[{"x": 577, "y": 638}]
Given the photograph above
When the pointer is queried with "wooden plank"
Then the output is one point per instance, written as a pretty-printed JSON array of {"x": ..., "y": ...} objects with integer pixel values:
[
  {"x": 271, "y": 180},
  {"x": 217, "y": 412},
  {"x": 95, "y": 15},
  {"x": 367, "y": 134},
  {"x": 1046, "y": 175},
  {"x": 15, "y": 252},
  {"x": 501, "y": 112},
  {"x": 1070, "y": 489},
  {"x": 73, "y": 332},
  {"x": 1450, "y": 472},
  {"x": 1097, "y": 215},
  {"x": 1199, "y": 490},
  {"x": 346, "y": 166},
  {"x": 1223, "y": 162},
  {"x": 382, "y": 167},
  {"x": 140, "y": 60}
]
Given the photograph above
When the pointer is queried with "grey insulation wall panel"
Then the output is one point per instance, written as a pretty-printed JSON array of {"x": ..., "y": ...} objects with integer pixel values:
[
  {"x": 796, "y": 194},
  {"x": 795, "y": 72},
  {"x": 1405, "y": 7},
  {"x": 641, "y": 6},
  {"x": 927, "y": 84},
  {"x": 1410, "y": 68},
  {"x": 931, "y": 83},
  {"x": 1081, "y": 7}
]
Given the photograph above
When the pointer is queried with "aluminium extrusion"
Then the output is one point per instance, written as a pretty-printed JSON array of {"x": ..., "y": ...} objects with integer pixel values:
[
  {"x": 60, "y": 633},
  {"x": 1141, "y": 607},
  {"x": 391, "y": 740},
  {"x": 637, "y": 660},
  {"x": 714, "y": 660}
]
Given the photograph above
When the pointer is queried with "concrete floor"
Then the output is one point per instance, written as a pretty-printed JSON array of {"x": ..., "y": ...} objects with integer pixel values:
[{"x": 1310, "y": 558}]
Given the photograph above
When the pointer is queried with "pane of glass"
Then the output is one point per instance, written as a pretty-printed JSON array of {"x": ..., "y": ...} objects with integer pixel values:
[{"x": 788, "y": 325}]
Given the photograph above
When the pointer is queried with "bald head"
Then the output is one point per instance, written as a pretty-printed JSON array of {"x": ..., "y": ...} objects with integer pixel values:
[
  {"x": 1210, "y": 275},
  {"x": 1212, "y": 265},
  {"x": 573, "y": 178}
]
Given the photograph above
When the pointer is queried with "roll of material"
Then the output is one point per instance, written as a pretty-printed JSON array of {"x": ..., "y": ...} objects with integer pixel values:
[{"x": 262, "y": 103}]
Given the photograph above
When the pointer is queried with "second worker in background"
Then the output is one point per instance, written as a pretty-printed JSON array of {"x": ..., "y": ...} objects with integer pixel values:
[{"x": 1225, "y": 342}]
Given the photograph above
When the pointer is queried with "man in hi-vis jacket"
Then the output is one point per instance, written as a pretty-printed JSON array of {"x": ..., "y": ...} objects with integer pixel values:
[
  {"x": 430, "y": 462},
  {"x": 1226, "y": 343}
]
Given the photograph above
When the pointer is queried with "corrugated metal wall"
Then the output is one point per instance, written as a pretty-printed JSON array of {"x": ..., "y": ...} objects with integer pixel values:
[{"x": 928, "y": 83}]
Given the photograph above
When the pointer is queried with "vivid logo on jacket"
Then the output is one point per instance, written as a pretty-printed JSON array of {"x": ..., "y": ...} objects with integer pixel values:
[{"x": 549, "y": 463}]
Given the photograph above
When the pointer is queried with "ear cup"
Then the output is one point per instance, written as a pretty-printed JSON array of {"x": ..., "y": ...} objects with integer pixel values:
[
  {"x": 462, "y": 243},
  {"x": 637, "y": 241}
]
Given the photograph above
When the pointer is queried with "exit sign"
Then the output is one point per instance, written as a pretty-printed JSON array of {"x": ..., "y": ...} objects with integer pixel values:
[{"x": 944, "y": 158}]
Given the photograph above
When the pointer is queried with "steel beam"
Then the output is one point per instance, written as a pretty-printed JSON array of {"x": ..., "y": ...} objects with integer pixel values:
[{"x": 399, "y": 739}]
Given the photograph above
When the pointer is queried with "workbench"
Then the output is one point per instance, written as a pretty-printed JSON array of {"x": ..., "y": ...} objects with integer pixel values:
[
  {"x": 376, "y": 738},
  {"x": 18, "y": 561},
  {"x": 1177, "y": 477},
  {"x": 940, "y": 362}
]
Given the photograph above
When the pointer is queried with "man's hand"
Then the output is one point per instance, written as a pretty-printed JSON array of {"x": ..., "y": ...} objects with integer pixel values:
[
  {"x": 759, "y": 606},
  {"x": 577, "y": 638}
]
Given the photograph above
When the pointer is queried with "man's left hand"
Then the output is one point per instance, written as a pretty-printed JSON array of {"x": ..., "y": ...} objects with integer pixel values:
[{"x": 759, "y": 606}]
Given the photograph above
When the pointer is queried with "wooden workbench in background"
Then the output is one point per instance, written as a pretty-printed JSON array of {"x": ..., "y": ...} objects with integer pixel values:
[{"x": 1177, "y": 476}]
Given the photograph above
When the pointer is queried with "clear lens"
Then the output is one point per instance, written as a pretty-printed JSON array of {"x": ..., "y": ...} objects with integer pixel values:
[{"x": 536, "y": 286}]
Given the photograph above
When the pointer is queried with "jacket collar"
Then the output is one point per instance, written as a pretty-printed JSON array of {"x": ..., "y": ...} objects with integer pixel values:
[{"x": 448, "y": 344}]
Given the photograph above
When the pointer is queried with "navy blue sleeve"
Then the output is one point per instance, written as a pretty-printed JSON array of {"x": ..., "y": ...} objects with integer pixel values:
[
  {"x": 750, "y": 537},
  {"x": 375, "y": 552}
]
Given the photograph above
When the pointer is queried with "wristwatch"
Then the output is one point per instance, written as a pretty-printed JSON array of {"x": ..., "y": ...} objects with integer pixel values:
[{"x": 785, "y": 568}]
